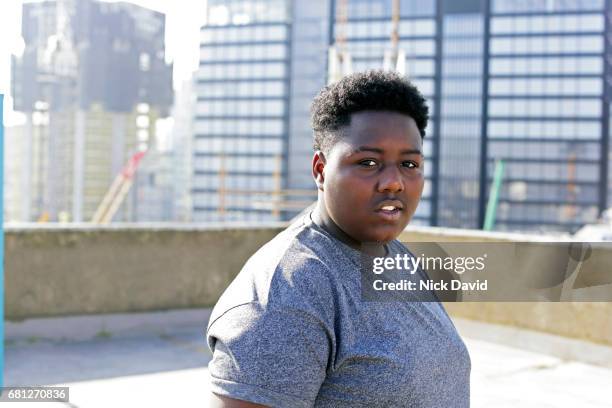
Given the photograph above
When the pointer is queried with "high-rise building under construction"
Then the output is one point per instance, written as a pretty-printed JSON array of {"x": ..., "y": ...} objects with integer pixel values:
[{"x": 92, "y": 81}]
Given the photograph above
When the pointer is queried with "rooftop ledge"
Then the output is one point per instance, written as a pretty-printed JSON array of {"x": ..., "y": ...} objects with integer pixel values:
[{"x": 81, "y": 269}]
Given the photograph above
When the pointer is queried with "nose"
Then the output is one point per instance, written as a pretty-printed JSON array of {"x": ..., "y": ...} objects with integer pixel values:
[{"x": 390, "y": 180}]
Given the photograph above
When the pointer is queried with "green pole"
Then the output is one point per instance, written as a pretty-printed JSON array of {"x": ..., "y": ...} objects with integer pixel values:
[{"x": 494, "y": 196}]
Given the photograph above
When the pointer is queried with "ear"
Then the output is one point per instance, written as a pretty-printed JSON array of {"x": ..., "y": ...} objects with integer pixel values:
[{"x": 318, "y": 169}]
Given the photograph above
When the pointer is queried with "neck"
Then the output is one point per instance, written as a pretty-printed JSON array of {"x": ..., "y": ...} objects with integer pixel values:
[{"x": 321, "y": 217}]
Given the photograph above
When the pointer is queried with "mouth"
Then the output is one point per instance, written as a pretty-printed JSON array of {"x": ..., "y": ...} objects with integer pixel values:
[{"x": 390, "y": 211}]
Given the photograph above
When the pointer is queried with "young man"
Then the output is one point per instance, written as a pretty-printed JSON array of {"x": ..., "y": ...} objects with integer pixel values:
[{"x": 292, "y": 330}]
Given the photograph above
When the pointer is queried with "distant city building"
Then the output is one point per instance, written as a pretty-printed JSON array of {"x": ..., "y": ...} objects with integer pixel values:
[
  {"x": 182, "y": 149},
  {"x": 261, "y": 63},
  {"x": 92, "y": 81},
  {"x": 153, "y": 191}
]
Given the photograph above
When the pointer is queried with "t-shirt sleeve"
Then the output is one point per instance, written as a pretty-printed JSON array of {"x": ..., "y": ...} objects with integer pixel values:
[{"x": 270, "y": 356}]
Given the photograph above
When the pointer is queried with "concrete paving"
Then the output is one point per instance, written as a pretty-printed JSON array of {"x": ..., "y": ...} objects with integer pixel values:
[{"x": 167, "y": 368}]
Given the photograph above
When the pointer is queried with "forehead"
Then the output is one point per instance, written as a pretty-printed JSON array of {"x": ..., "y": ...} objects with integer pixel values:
[{"x": 382, "y": 127}]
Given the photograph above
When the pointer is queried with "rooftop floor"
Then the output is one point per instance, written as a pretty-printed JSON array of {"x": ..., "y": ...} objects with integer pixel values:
[{"x": 161, "y": 367}]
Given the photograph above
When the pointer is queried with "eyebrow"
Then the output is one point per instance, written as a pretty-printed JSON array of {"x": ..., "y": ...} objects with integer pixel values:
[{"x": 378, "y": 150}]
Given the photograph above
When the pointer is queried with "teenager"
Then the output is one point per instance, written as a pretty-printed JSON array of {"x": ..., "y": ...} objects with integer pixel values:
[{"x": 293, "y": 330}]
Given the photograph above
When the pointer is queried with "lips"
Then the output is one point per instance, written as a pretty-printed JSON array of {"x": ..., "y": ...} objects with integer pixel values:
[
  {"x": 390, "y": 205},
  {"x": 390, "y": 210}
]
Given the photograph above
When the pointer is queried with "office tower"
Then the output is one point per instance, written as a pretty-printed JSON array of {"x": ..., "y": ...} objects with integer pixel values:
[
  {"x": 519, "y": 81},
  {"x": 261, "y": 63},
  {"x": 548, "y": 110},
  {"x": 522, "y": 81},
  {"x": 95, "y": 75}
]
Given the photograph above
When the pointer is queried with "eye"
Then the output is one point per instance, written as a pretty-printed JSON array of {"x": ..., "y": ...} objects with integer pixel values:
[
  {"x": 368, "y": 163},
  {"x": 410, "y": 164}
]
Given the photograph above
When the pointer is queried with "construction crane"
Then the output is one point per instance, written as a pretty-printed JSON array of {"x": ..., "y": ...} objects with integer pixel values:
[
  {"x": 395, "y": 58},
  {"x": 117, "y": 191},
  {"x": 340, "y": 62}
]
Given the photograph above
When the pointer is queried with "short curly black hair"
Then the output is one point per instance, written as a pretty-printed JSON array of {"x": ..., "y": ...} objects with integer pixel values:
[{"x": 375, "y": 90}]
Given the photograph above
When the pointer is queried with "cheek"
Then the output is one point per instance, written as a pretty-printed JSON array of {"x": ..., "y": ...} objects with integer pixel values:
[{"x": 348, "y": 191}]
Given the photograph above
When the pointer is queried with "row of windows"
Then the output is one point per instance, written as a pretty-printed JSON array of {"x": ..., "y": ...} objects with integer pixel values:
[
  {"x": 546, "y": 86},
  {"x": 461, "y": 67},
  {"x": 205, "y": 215},
  {"x": 382, "y": 8},
  {"x": 207, "y": 181},
  {"x": 464, "y": 25},
  {"x": 229, "y": 163},
  {"x": 413, "y": 67},
  {"x": 521, "y": 191},
  {"x": 544, "y": 129},
  {"x": 551, "y": 171},
  {"x": 367, "y": 29},
  {"x": 563, "y": 151},
  {"x": 238, "y": 145},
  {"x": 547, "y": 45},
  {"x": 547, "y": 24},
  {"x": 545, "y": 107},
  {"x": 244, "y": 34},
  {"x": 546, "y": 66},
  {"x": 462, "y": 47},
  {"x": 234, "y": 200},
  {"x": 224, "y": 12},
  {"x": 239, "y": 127},
  {"x": 413, "y": 48},
  {"x": 242, "y": 89},
  {"x": 426, "y": 86},
  {"x": 243, "y": 71},
  {"x": 462, "y": 107},
  {"x": 241, "y": 108},
  {"x": 520, "y": 6},
  {"x": 244, "y": 52},
  {"x": 465, "y": 87},
  {"x": 542, "y": 213},
  {"x": 460, "y": 127}
]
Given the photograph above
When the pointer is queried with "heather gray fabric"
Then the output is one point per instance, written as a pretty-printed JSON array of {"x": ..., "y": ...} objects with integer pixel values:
[{"x": 292, "y": 331}]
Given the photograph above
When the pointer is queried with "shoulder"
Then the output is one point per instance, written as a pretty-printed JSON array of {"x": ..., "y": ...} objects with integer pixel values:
[{"x": 292, "y": 271}]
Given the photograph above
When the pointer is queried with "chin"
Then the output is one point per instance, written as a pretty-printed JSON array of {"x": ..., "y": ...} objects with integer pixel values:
[{"x": 384, "y": 237}]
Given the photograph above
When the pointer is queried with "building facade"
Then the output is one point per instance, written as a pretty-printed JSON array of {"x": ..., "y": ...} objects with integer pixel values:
[
  {"x": 523, "y": 82},
  {"x": 261, "y": 63},
  {"x": 92, "y": 81}
]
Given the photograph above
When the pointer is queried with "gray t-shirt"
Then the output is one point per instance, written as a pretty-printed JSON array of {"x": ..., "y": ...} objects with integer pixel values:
[{"x": 292, "y": 330}]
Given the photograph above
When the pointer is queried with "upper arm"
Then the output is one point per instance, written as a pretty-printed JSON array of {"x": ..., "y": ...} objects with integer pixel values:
[
  {"x": 269, "y": 357},
  {"x": 218, "y": 401}
]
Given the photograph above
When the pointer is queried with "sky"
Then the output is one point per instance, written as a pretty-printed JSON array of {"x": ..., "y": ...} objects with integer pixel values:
[{"x": 183, "y": 20}]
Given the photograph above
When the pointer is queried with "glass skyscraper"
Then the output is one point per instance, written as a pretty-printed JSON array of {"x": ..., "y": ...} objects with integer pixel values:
[
  {"x": 523, "y": 81},
  {"x": 548, "y": 111},
  {"x": 261, "y": 62}
]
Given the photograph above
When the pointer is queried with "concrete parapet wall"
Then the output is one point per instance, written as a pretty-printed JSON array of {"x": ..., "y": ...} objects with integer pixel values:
[
  {"x": 590, "y": 321},
  {"x": 126, "y": 269},
  {"x": 55, "y": 272}
]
